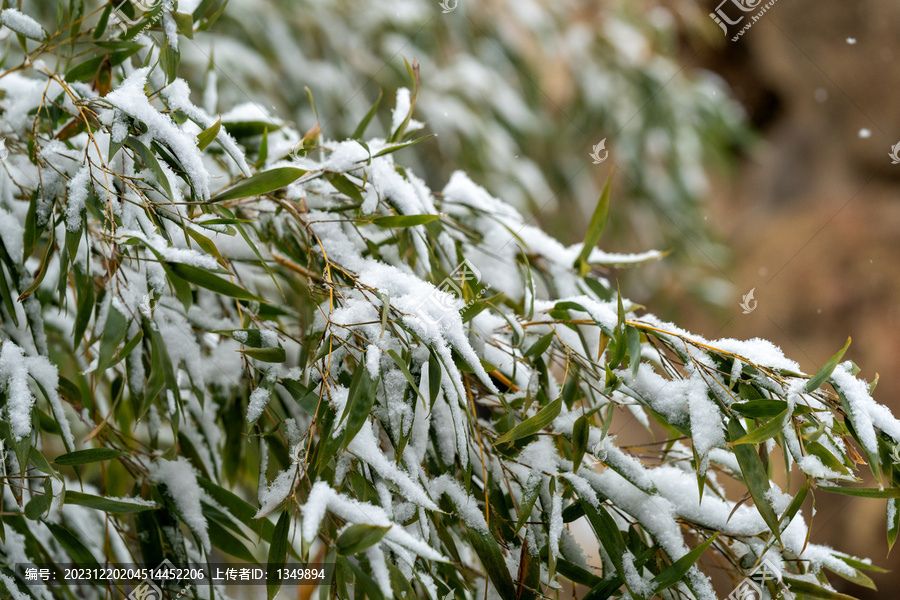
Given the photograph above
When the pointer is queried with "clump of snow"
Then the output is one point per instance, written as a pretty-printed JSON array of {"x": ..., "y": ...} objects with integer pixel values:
[
  {"x": 180, "y": 479},
  {"x": 23, "y": 24},
  {"x": 14, "y": 380},
  {"x": 865, "y": 412},
  {"x": 466, "y": 506},
  {"x": 78, "y": 194},
  {"x": 259, "y": 398},
  {"x": 130, "y": 98},
  {"x": 275, "y": 493},
  {"x": 12, "y": 234}
]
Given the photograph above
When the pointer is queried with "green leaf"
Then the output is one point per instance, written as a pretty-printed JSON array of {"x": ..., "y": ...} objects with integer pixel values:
[
  {"x": 597, "y": 223},
  {"x": 207, "y": 137},
  {"x": 794, "y": 506},
  {"x": 533, "y": 424},
  {"x": 633, "y": 336},
  {"x": 532, "y": 490},
  {"x": 754, "y": 476},
  {"x": 364, "y": 124},
  {"x": 580, "y": 433},
  {"x": 277, "y": 554},
  {"x": 677, "y": 570},
  {"x": 150, "y": 161},
  {"x": 261, "y": 183},
  {"x": 205, "y": 279},
  {"x": 391, "y": 149},
  {"x": 760, "y": 409},
  {"x": 404, "y": 220},
  {"x": 37, "y": 506},
  {"x": 72, "y": 545},
  {"x": 538, "y": 348},
  {"x": 608, "y": 534},
  {"x": 114, "y": 332},
  {"x": 825, "y": 372},
  {"x": 358, "y": 537},
  {"x": 221, "y": 539},
  {"x": 345, "y": 186},
  {"x": 434, "y": 377},
  {"x": 81, "y": 457},
  {"x": 577, "y": 574},
  {"x": 360, "y": 400},
  {"x": 185, "y": 24},
  {"x": 269, "y": 355},
  {"x": 105, "y": 504},
  {"x": 862, "y": 492},
  {"x": 805, "y": 588},
  {"x": 761, "y": 434},
  {"x": 488, "y": 550}
]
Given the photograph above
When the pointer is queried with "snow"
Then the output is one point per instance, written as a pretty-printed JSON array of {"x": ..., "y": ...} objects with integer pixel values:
[
  {"x": 14, "y": 381},
  {"x": 178, "y": 97},
  {"x": 379, "y": 569},
  {"x": 633, "y": 579},
  {"x": 47, "y": 375},
  {"x": 365, "y": 447},
  {"x": 78, "y": 194},
  {"x": 11, "y": 234},
  {"x": 758, "y": 351},
  {"x": 131, "y": 99},
  {"x": 865, "y": 412},
  {"x": 466, "y": 506},
  {"x": 13, "y": 589},
  {"x": 322, "y": 498},
  {"x": 180, "y": 479},
  {"x": 401, "y": 108},
  {"x": 22, "y": 23},
  {"x": 275, "y": 493},
  {"x": 259, "y": 398}
]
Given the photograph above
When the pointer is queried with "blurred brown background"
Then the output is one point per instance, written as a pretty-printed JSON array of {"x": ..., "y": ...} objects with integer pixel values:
[{"x": 813, "y": 213}]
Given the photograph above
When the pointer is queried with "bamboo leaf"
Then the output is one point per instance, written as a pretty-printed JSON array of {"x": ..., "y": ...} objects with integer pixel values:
[
  {"x": 533, "y": 424},
  {"x": 767, "y": 431},
  {"x": 106, "y": 504},
  {"x": 72, "y": 545},
  {"x": 677, "y": 570},
  {"x": 827, "y": 369},
  {"x": 360, "y": 400},
  {"x": 862, "y": 492},
  {"x": 90, "y": 455},
  {"x": 755, "y": 476},
  {"x": 580, "y": 433},
  {"x": 358, "y": 537},
  {"x": 208, "y": 136},
  {"x": 277, "y": 554},
  {"x": 597, "y": 223},
  {"x": 205, "y": 279},
  {"x": 488, "y": 551},
  {"x": 261, "y": 183},
  {"x": 404, "y": 220}
]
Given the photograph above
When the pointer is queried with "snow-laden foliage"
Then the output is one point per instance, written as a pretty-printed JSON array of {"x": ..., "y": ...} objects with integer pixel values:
[
  {"x": 518, "y": 91},
  {"x": 422, "y": 388}
]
